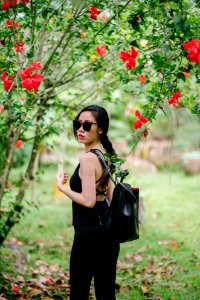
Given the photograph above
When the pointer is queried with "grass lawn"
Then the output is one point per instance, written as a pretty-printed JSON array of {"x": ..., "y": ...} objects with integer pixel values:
[{"x": 162, "y": 264}]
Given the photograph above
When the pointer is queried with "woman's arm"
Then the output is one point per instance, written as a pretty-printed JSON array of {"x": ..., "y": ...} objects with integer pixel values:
[{"x": 87, "y": 172}]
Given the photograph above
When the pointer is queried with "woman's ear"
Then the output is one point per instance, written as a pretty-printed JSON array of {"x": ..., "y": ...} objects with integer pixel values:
[{"x": 100, "y": 130}]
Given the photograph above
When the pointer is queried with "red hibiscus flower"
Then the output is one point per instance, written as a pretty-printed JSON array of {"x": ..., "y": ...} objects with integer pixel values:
[
  {"x": 140, "y": 117},
  {"x": 15, "y": 288},
  {"x": 30, "y": 81},
  {"x": 142, "y": 120},
  {"x": 193, "y": 47},
  {"x": 131, "y": 63},
  {"x": 32, "y": 67},
  {"x": 175, "y": 100},
  {"x": 129, "y": 58},
  {"x": 26, "y": 73},
  {"x": 134, "y": 53},
  {"x": 125, "y": 55},
  {"x": 145, "y": 132},
  {"x": 2, "y": 108},
  {"x": 18, "y": 144},
  {"x": 35, "y": 65},
  {"x": 25, "y": 1},
  {"x": 137, "y": 124},
  {"x": 8, "y": 82},
  {"x": 94, "y": 12},
  {"x": 6, "y": 5},
  {"x": 101, "y": 50},
  {"x": 137, "y": 113},
  {"x": 10, "y": 24},
  {"x": 19, "y": 46},
  {"x": 142, "y": 78}
]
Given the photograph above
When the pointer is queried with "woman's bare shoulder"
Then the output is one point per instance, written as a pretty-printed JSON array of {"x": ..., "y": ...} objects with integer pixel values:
[{"x": 88, "y": 157}]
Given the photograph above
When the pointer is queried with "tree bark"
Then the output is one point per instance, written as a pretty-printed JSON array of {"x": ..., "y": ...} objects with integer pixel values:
[{"x": 14, "y": 214}]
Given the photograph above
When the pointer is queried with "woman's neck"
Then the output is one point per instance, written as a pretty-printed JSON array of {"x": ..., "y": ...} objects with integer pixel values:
[{"x": 94, "y": 146}]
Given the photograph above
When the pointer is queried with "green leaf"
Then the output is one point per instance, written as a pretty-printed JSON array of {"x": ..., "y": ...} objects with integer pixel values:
[
  {"x": 181, "y": 76},
  {"x": 28, "y": 123}
]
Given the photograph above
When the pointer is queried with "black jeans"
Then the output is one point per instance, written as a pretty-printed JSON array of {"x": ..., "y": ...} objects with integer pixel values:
[{"x": 93, "y": 256}]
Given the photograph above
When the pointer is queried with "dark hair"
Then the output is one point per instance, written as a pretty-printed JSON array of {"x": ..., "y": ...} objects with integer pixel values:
[{"x": 102, "y": 119}]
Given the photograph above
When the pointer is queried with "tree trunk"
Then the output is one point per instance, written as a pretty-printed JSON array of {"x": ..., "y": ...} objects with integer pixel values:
[{"x": 14, "y": 214}]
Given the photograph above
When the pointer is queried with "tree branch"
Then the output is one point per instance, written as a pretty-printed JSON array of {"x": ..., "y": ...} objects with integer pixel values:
[
  {"x": 57, "y": 46},
  {"x": 14, "y": 135}
]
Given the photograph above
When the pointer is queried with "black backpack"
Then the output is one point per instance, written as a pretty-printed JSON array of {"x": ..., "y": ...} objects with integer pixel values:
[{"x": 121, "y": 217}]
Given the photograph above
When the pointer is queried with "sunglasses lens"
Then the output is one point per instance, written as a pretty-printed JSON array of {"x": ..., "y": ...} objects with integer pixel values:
[
  {"x": 76, "y": 124},
  {"x": 87, "y": 126}
]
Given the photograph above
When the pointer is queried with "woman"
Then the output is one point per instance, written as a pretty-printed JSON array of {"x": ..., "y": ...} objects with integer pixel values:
[{"x": 94, "y": 253}]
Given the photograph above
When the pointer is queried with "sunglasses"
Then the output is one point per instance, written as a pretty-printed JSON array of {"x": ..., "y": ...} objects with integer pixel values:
[{"x": 86, "y": 125}]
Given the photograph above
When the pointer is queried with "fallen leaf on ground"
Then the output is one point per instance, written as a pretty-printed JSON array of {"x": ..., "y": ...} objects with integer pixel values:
[
  {"x": 136, "y": 258},
  {"x": 49, "y": 280},
  {"x": 34, "y": 292},
  {"x": 145, "y": 289},
  {"x": 37, "y": 282},
  {"x": 20, "y": 278}
]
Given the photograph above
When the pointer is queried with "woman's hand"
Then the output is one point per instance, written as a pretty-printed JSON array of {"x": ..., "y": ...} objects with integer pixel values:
[{"x": 61, "y": 179}]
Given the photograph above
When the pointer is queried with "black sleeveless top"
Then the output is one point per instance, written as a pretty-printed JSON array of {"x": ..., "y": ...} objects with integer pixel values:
[{"x": 82, "y": 216}]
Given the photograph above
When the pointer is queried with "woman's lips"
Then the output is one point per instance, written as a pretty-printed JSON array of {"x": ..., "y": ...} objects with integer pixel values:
[{"x": 81, "y": 136}]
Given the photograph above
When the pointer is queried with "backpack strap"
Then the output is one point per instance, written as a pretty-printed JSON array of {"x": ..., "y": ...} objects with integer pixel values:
[{"x": 102, "y": 160}]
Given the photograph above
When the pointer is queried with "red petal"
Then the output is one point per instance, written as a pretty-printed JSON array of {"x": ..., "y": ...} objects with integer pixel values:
[
  {"x": 131, "y": 63},
  {"x": 18, "y": 143},
  {"x": 144, "y": 119},
  {"x": 137, "y": 113},
  {"x": 134, "y": 53},
  {"x": 137, "y": 124},
  {"x": 125, "y": 55}
]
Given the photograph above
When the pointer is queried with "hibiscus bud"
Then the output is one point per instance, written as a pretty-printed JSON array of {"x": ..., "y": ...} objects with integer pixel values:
[
  {"x": 101, "y": 50},
  {"x": 19, "y": 46},
  {"x": 186, "y": 74},
  {"x": 83, "y": 34},
  {"x": 2, "y": 108},
  {"x": 94, "y": 12},
  {"x": 18, "y": 144},
  {"x": 142, "y": 79},
  {"x": 93, "y": 57},
  {"x": 146, "y": 132}
]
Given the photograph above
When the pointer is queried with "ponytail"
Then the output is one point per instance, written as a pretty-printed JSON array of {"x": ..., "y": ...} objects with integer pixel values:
[{"x": 106, "y": 143}]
